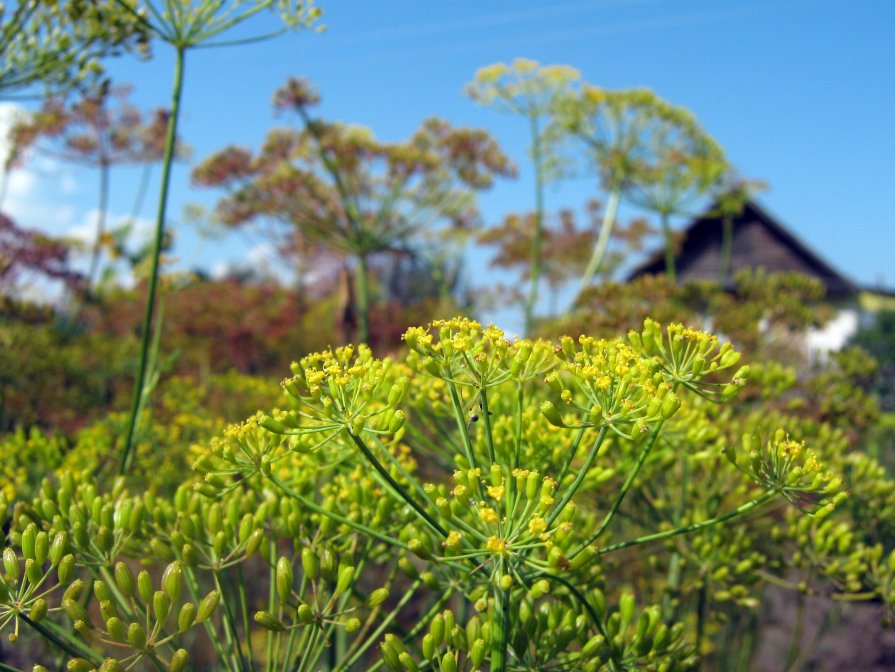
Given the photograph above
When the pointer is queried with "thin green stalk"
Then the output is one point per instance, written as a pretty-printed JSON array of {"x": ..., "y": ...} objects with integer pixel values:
[
  {"x": 229, "y": 620},
  {"x": 659, "y": 536},
  {"x": 596, "y": 259},
  {"x": 100, "y": 224},
  {"x": 210, "y": 629},
  {"x": 674, "y": 565},
  {"x": 304, "y": 501},
  {"x": 362, "y": 285},
  {"x": 797, "y": 632},
  {"x": 168, "y": 159},
  {"x": 582, "y": 473},
  {"x": 537, "y": 238},
  {"x": 62, "y": 640},
  {"x": 271, "y": 601},
  {"x": 624, "y": 491},
  {"x": 9, "y": 668},
  {"x": 244, "y": 608},
  {"x": 400, "y": 491},
  {"x": 459, "y": 414},
  {"x": 500, "y": 632},
  {"x": 486, "y": 420}
]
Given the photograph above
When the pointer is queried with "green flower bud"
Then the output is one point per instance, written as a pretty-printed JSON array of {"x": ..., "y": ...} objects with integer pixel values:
[
  {"x": 144, "y": 586},
  {"x": 117, "y": 629},
  {"x": 124, "y": 579},
  {"x": 79, "y": 665},
  {"x": 136, "y": 636},
  {"x": 267, "y": 620},
  {"x": 390, "y": 656},
  {"x": 272, "y": 425},
  {"x": 104, "y": 538},
  {"x": 162, "y": 550},
  {"x": 179, "y": 661},
  {"x": 310, "y": 563},
  {"x": 161, "y": 606},
  {"x": 11, "y": 565},
  {"x": 626, "y": 609},
  {"x": 397, "y": 421},
  {"x": 27, "y": 541},
  {"x": 58, "y": 548},
  {"x": 549, "y": 411},
  {"x": 172, "y": 581},
  {"x": 74, "y": 609},
  {"x": 107, "y": 609},
  {"x": 38, "y": 609},
  {"x": 328, "y": 564},
  {"x": 429, "y": 646},
  {"x": 407, "y": 662},
  {"x": 33, "y": 571},
  {"x": 305, "y": 613},
  {"x": 377, "y": 597},
  {"x": 73, "y": 592},
  {"x": 449, "y": 662},
  {"x": 41, "y": 547},
  {"x": 80, "y": 534},
  {"x": 284, "y": 579},
  {"x": 477, "y": 652},
  {"x": 254, "y": 542},
  {"x": 419, "y": 549},
  {"x": 406, "y": 565},
  {"x": 207, "y": 606},
  {"x": 346, "y": 577},
  {"x": 436, "y": 629},
  {"x": 352, "y": 624},
  {"x": 593, "y": 646},
  {"x": 186, "y": 617}
]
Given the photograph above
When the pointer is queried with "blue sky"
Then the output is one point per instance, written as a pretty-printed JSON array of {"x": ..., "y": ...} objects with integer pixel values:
[{"x": 800, "y": 93}]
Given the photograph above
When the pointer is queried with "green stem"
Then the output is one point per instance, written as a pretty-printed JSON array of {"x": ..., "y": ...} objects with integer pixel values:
[
  {"x": 244, "y": 608},
  {"x": 599, "y": 252},
  {"x": 582, "y": 474},
  {"x": 362, "y": 285},
  {"x": 9, "y": 668},
  {"x": 230, "y": 631},
  {"x": 538, "y": 234},
  {"x": 486, "y": 420},
  {"x": 669, "y": 248},
  {"x": 304, "y": 501},
  {"x": 208, "y": 625},
  {"x": 500, "y": 632},
  {"x": 797, "y": 632},
  {"x": 100, "y": 225},
  {"x": 624, "y": 491},
  {"x": 63, "y": 640},
  {"x": 659, "y": 536},
  {"x": 127, "y": 453},
  {"x": 401, "y": 492}
]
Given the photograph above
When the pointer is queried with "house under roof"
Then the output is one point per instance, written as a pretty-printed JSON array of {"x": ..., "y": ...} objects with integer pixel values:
[{"x": 759, "y": 241}]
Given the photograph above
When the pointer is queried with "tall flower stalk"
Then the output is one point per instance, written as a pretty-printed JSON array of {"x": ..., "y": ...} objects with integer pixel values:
[
  {"x": 184, "y": 26},
  {"x": 531, "y": 91}
]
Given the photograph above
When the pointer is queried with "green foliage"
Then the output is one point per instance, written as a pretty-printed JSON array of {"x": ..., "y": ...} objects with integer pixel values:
[
  {"x": 497, "y": 490},
  {"x": 59, "y": 44}
]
